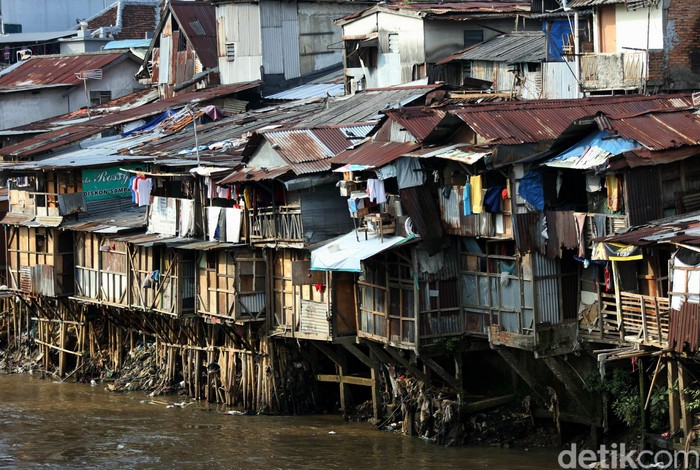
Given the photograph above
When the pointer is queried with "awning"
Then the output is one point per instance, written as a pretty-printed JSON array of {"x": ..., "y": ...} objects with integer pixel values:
[
  {"x": 459, "y": 153},
  {"x": 345, "y": 253}
]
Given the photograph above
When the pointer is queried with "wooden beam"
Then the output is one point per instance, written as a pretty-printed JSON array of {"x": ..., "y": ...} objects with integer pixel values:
[
  {"x": 437, "y": 368},
  {"x": 332, "y": 355},
  {"x": 564, "y": 377},
  {"x": 520, "y": 367},
  {"x": 365, "y": 359},
  {"x": 345, "y": 379},
  {"x": 480, "y": 405},
  {"x": 407, "y": 365}
]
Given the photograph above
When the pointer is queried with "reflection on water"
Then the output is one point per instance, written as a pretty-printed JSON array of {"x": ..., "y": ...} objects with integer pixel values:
[{"x": 77, "y": 426}]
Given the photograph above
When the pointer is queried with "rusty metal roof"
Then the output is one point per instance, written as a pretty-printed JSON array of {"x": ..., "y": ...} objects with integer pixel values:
[
  {"x": 513, "y": 123},
  {"x": 71, "y": 134},
  {"x": 418, "y": 121},
  {"x": 198, "y": 21},
  {"x": 121, "y": 221},
  {"x": 247, "y": 174},
  {"x": 684, "y": 228},
  {"x": 445, "y": 10},
  {"x": 375, "y": 154},
  {"x": 590, "y": 3},
  {"x": 658, "y": 130},
  {"x": 55, "y": 70}
]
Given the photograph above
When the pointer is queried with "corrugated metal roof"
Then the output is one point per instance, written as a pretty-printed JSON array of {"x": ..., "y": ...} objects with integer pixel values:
[
  {"x": 54, "y": 70},
  {"x": 298, "y": 146},
  {"x": 466, "y": 154},
  {"x": 198, "y": 20},
  {"x": 84, "y": 158},
  {"x": 28, "y": 38},
  {"x": 659, "y": 130},
  {"x": 127, "y": 44},
  {"x": 449, "y": 10},
  {"x": 418, "y": 121},
  {"x": 310, "y": 90},
  {"x": 375, "y": 153},
  {"x": 109, "y": 223},
  {"x": 366, "y": 105},
  {"x": 254, "y": 174},
  {"x": 526, "y": 46},
  {"x": 71, "y": 134},
  {"x": 590, "y": 3},
  {"x": 513, "y": 123},
  {"x": 684, "y": 228}
]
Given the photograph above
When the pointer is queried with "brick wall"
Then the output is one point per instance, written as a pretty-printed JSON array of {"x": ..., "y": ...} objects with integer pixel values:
[
  {"x": 682, "y": 44},
  {"x": 137, "y": 20}
]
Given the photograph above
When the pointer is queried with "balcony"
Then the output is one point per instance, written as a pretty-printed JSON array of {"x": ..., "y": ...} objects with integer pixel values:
[
  {"x": 279, "y": 225},
  {"x": 616, "y": 71}
]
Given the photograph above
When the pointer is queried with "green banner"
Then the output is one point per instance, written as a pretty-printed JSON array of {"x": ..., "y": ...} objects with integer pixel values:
[{"x": 107, "y": 183}]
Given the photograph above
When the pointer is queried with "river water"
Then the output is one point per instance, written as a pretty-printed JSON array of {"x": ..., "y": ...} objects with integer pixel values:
[{"x": 67, "y": 425}]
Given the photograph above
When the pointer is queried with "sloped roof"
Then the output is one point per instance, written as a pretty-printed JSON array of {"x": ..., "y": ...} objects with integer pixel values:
[
  {"x": 591, "y": 3},
  {"x": 418, "y": 121},
  {"x": 75, "y": 133},
  {"x": 374, "y": 153},
  {"x": 680, "y": 127},
  {"x": 527, "y": 46},
  {"x": 27, "y": 38},
  {"x": 365, "y": 106},
  {"x": 198, "y": 21},
  {"x": 56, "y": 70},
  {"x": 451, "y": 11},
  {"x": 518, "y": 122}
]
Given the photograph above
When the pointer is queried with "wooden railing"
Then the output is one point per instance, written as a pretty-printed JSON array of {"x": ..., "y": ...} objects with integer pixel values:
[
  {"x": 275, "y": 224},
  {"x": 645, "y": 317}
]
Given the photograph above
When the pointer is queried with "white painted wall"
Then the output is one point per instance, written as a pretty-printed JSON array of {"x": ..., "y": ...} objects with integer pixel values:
[
  {"x": 265, "y": 157},
  {"x": 24, "y": 107},
  {"x": 49, "y": 15},
  {"x": 631, "y": 28},
  {"x": 240, "y": 24}
]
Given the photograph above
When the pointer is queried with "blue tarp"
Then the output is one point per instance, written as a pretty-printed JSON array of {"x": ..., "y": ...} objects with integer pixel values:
[
  {"x": 152, "y": 123},
  {"x": 558, "y": 30},
  {"x": 604, "y": 140},
  {"x": 531, "y": 189}
]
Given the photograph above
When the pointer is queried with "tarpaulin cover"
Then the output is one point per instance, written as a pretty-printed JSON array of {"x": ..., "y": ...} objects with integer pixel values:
[
  {"x": 558, "y": 30},
  {"x": 213, "y": 112},
  {"x": 531, "y": 189},
  {"x": 581, "y": 155},
  {"x": 346, "y": 253},
  {"x": 150, "y": 125}
]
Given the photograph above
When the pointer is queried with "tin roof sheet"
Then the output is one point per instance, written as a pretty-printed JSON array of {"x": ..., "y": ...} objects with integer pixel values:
[
  {"x": 466, "y": 154},
  {"x": 364, "y": 106},
  {"x": 121, "y": 221},
  {"x": 681, "y": 127},
  {"x": 28, "y": 38},
  {"x": 198, "y": 21},
  {"x": 244, "y": 174},
  {"x": 375, "y": 154},
  {"x": 55, "y": 70},
  {"x": 591, "y": 3},
  {"x": 418, "y": 121},
  {"x": 446, "y": 10},
  {"x": 310, "y": 90},
  {"x": 526, "y": 46},
  {"x": 75, "y": 133},
  {"x": 513, "y": 123}
]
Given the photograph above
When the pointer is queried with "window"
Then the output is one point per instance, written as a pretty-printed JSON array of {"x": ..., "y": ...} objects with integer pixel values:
[
  {"x": 10, "y": 28},
  {"x": 230, "y": 51},
  {"x": 100, "y": 97},
  {"x": 394, "y": 43},
  {"x": 473, "y": 36}
]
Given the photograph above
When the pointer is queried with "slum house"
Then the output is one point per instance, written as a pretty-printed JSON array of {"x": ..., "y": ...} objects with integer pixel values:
[
  {"x": 511, "y": 62},
  {"x": 51, "y": 192},
  {"x": 281, "y": 43},
  {"x": 64, "y": 135},
  {"x": 389, "y": 44},
  {"x": 47, "y": 86},
  {"x": 18, "y": 134},
  {"x": 182, "y": 54},
  {"x": 654, "y": 176},
  {"x": 516, "y": 286},
  {"x": 659, "y": 325},
  {"x": 631, "y": 46}
]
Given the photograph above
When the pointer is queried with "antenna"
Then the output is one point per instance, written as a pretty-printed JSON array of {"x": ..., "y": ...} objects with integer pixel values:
[{"x": 85, "y": 75}]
